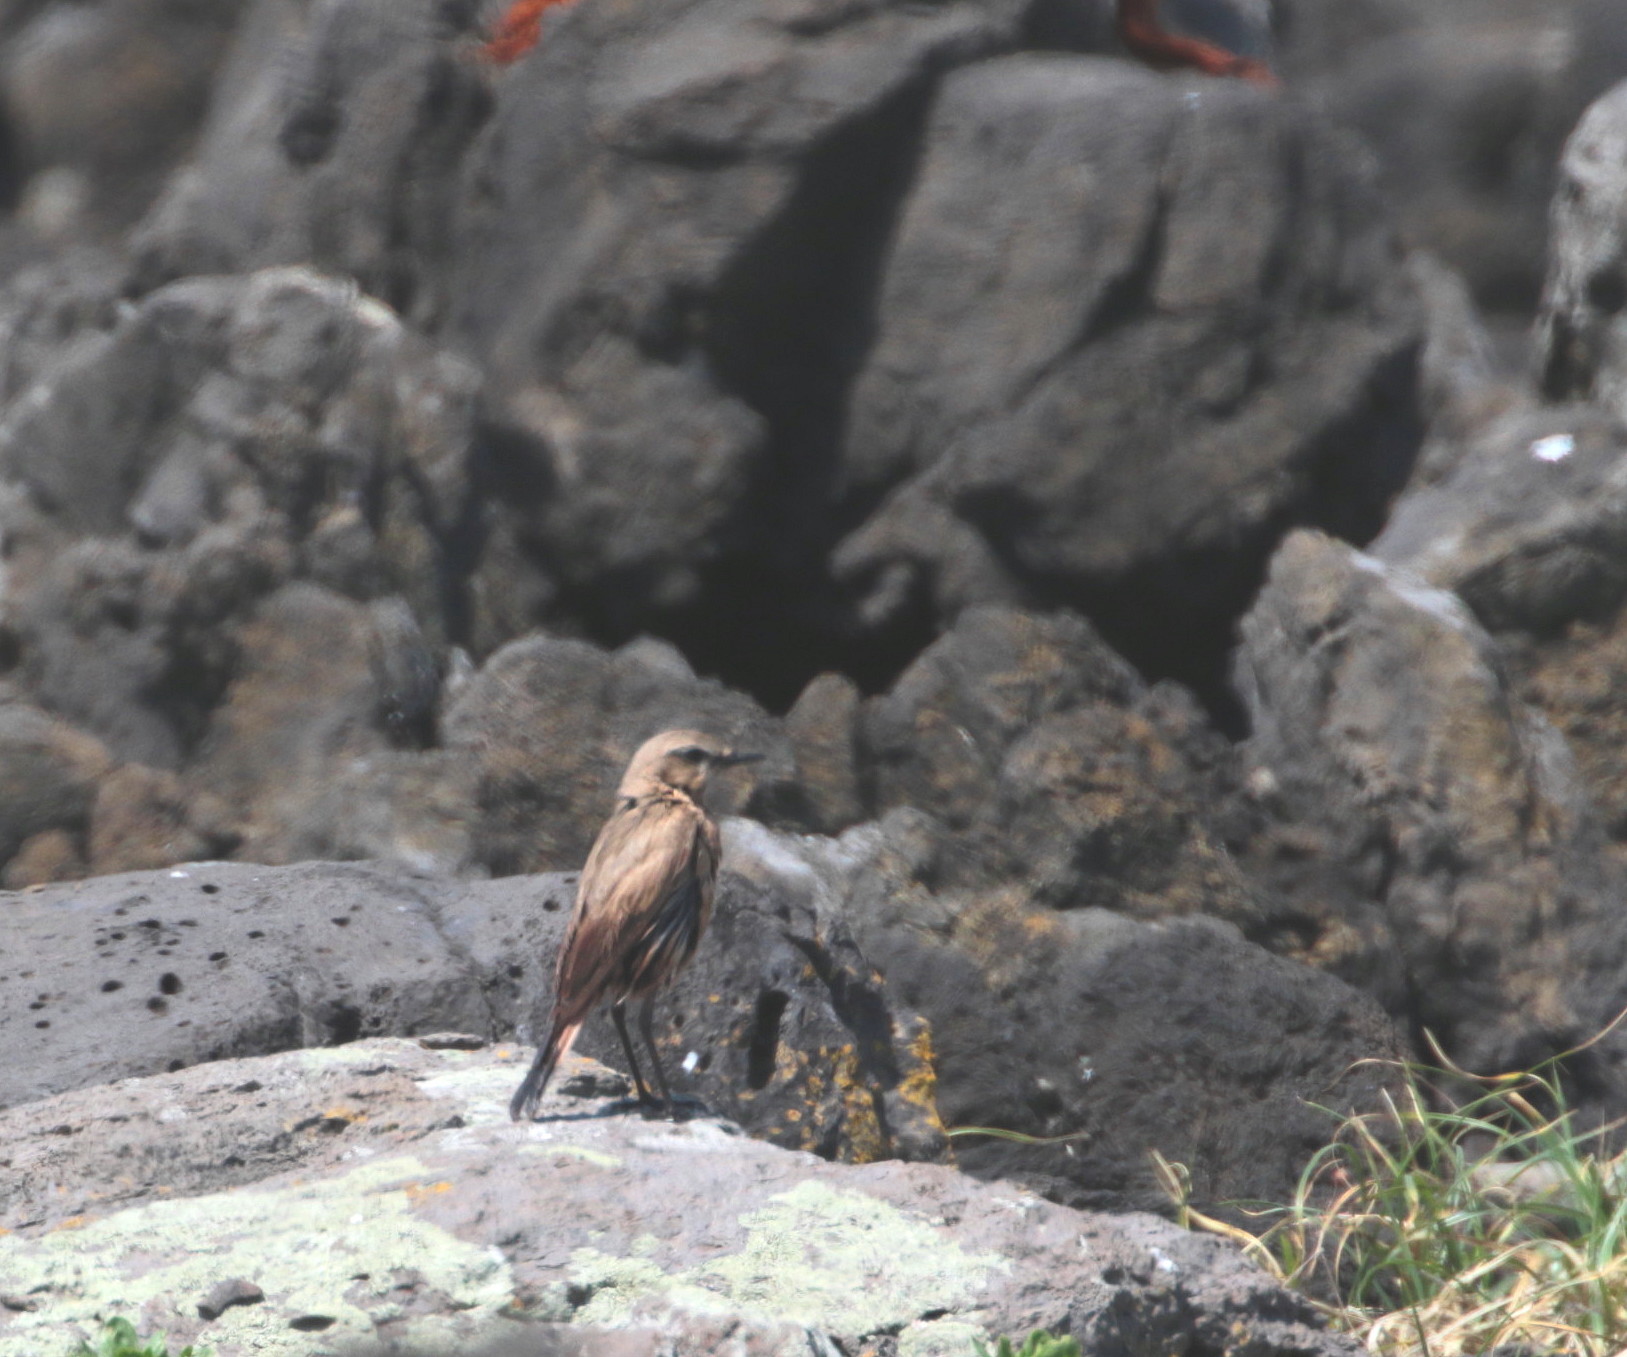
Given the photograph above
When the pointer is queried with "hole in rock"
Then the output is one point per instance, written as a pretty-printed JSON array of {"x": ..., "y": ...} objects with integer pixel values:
[
  {"x": 344, "y": 1024},
  {"x": 786, "y": 331},
  {"x": 169, "y": 983},
  {"x": 108, "y": 986},
  {"x": 157, "y": 1005},
  {"x": 764, "y": 1046},
  {"x": 1607, "y": 291}
]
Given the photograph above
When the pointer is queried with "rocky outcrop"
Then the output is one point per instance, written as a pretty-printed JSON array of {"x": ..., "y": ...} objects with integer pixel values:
[
  {"x": 1528, "y": 527},
  {"x": 84, "y": 157},
  {"x": 1111, "y": 364},
  {"x": 1467, "y": 104},
  {"x": 1113, "y": 1035},
  {"x": 646, "y": 232},
  {"x": 446, "y": 1227},
  {"x": 1430, "y": 830},
  {"x": 779, "y": 1023},
  {"x": 225, "y": 437},
  {"x": 1058, "y": 766},
  {"x": 443, "y": 431},
  {"x": 1582, "y": 336}
]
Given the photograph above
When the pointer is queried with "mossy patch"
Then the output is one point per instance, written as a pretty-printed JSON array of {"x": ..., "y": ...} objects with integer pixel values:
[
  {"x": 841, "y": 1262},
  {"x": 306, "y": 1246}
]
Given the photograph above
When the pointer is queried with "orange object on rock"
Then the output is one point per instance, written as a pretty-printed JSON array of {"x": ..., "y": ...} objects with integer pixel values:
[
  {"x": 1146, "y": 38},
  {"x": 517, "y": 32}
]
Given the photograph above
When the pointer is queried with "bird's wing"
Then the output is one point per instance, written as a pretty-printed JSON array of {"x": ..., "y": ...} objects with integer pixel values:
[{"x": 651, "y": 867}]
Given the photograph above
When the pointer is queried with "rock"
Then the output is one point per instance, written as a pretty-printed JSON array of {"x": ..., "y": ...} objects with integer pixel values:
[
  {"x": 823, "y": 727},
  {"x": 649, "y": 358},
  {"x": 48, "y": 775},
  {"x": 108, "y": 142},
  {"x": 1096, "y": 807},
  {"x": 1467, "y": 104},
  {"x": 1119, "y": 397},
  {"x": 49, "y": 305},
  {"x": 316, "y": 689},
  {"x": 1578, "y": 680},
  {"x": 144, "y": 818},
  {"x": 333, "y": 139},
  {"x": 223, "y": 1295},
  {"x": 1122, "y": 1036},
  {"x": 51, "y": 855},
  {"x": 1057, "y": 766},
  {"x": 549, "y": 724},
  {"x": 1582, "y": 331},
  {"x": 937, "y": 738},
  {"x": 1425, "y": 833},
  {"x": 226, "y": 436},
  {"x": 444, "y": 1223},
  {"x": 792, "y": 1032},
  {"x": 1528, "y": 528},
  {"x": 131, "y": 975},
  {"x": 1460, "y": 377}
]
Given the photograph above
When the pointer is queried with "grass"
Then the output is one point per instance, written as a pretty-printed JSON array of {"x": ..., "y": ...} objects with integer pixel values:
[
  {"x": 1037, "y": 1344},
  {"x": 119, "y": 1339},
  {"x": 1443, "y": 1226}
]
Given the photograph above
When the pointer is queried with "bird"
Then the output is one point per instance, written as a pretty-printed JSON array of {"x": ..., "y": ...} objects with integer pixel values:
[
  {"x": 1141, "y": 31},
  {"x": 519, "y": 29},
  {"x": 643, "y": 901}
]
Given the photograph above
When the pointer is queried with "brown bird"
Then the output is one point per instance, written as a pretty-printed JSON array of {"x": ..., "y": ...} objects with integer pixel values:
[{"x": 644, "y": 900}]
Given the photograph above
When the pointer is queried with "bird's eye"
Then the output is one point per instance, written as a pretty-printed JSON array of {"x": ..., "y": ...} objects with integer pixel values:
[{"x": 690, "y": 753}]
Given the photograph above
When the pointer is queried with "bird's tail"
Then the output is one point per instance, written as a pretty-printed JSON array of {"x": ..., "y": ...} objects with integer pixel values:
[{"x": 524, "y": 1103}]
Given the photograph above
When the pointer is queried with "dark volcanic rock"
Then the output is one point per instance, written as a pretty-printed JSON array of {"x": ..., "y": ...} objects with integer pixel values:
[
  {"x": 547, "y": 727},
  {"x": 334, "y": 139},
  {"x": 1530, "y": 527},
  {"x": 1122, "y": 1035},
  {"x": 100, "y": 102},
  {"x": 1057, "y": 764},
  {"x": 653, "y": 234},
  {"x": 1429, "y": 831},
  {"x": 1126, "y": 331},
  {"x": 793, "y": 1033},
  {"x": 1582, "y": 332},
  {"x": 442, "y": 1225},
  {"x": 48, "y": 775},
  {"x": 227, "y": 435},
  {"x": 1466, "y": 104},
  {"x": 132, "y": 975},
  {"x": 270, "y": 750},
  {"x": 145, "y": 818}
]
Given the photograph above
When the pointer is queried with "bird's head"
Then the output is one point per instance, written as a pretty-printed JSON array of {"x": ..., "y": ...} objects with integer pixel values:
[{"x": 680, "y": 760}]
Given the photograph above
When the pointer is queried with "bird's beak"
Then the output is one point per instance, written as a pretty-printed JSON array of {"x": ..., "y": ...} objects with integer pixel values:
[{"x": 732, "y": 757}]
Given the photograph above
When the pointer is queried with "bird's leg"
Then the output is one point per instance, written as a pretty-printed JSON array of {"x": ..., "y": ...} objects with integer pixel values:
[
  {"x": 646, "y": 1025},
  {"x": 618, "y": 1011}
]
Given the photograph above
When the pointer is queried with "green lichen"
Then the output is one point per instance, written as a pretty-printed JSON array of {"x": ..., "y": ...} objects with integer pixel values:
[
  {"x": 481, "y": 1091},
  {"x": 304, "y": 1245},
  {"x": 840, "y": 1262},
  {"x": 598, "y": 1158}
]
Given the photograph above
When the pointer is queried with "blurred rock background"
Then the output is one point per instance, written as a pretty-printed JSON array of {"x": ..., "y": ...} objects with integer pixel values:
[{"x": 1168, "y": 536}]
